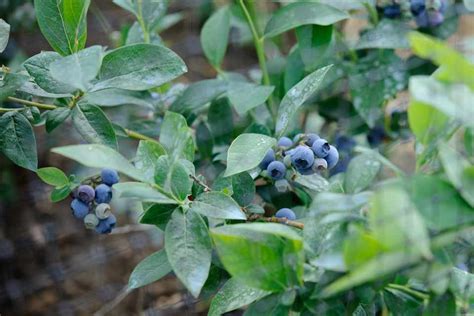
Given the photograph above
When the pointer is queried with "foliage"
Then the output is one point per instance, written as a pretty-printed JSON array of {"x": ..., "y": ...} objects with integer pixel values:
[{"x": 363, "y": 241}]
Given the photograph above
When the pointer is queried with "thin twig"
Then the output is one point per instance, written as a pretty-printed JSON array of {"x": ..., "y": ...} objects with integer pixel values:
[
  {"x": 112, "y": 304},
  {"x": 31, "y": 103},
  {"x": 274, "y": 219},
  {"x": 205, "y": 186}
]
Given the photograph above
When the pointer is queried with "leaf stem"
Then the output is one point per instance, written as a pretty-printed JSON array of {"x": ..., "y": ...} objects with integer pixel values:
[
  {"x": 4, "y": 110},
  {"x": 130, "y": 133},
  {"x": 31, "y": 103},
  {"x": 408, "y": 290},
  {"x": 146, "y": 34},
  {"x": 258, "y": 42}
]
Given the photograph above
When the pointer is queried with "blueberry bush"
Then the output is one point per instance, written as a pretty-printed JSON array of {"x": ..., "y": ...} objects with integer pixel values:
[{"x": 274, "y": 186}]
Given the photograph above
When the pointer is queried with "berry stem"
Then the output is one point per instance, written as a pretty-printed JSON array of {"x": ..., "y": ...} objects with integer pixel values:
[{"x": 274, "y": 219}]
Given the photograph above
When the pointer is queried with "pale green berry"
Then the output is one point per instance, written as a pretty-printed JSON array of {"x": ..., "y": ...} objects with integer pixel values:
[
  {"x": 102, "y": 210},
  {"x": 91, "y": 221}
]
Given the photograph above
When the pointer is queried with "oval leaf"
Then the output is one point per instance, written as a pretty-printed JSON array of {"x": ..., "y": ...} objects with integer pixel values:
[
  {"x": 53, "y": 176},
  {"x": 214, "y": 36},
  {"x": 361, "y": 172},
  {"x": 217, "y": 205},
  {"x": 149, "y": 270}
]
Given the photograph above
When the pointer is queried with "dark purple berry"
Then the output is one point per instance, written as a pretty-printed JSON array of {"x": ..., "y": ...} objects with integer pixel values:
[
  {"x": 417, "y": 6},
  {"x": 276, "y": 170},
  {"x": 109, "y": 176},
  {"x": 103, "y": 193},
  {"x": 286, "y": 213},
  {"x": 311, "y": 138},
  {"x": 332, "y": 158},
  {"x": 392, "y": 11},
  {"x": 344, "y": 143},
  {"x": 435, "y": 18},
  {"x": 302, "y": 157},
  {"x": 79, "y": 209},
  {"x": 86, "y": 193},
  {"x": 285, "y": 142},
  {"x": 376, "y": 136},
  {"x": 269, "y": 157},
  {"x": 320, "y": 148}
]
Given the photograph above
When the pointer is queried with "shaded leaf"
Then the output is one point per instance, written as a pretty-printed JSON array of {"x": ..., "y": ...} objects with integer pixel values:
[
  {"x": 115, "y": 97},
  {"x": 246, "y": 96},
  {"x": 215, "y": 34},
  {"x": 149, "y": 270},
  {"x": 388, "y": 34},
  {"x": 361, "y": 173},
  {"x": 146, "y": 158},
  {"x": 218, "y": 205},
  {"x": 175, "y": 136},
  {"x": 141, "y": 191},
  {"x": 198, "y": 95},
  {"x": 4, "y": 34}
]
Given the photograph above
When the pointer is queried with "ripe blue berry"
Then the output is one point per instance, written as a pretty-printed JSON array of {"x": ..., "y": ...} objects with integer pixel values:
[
  {"x": 285, "y": 142},
  {"x": 102, "y": 211},
  {"x": 375, "y": 136},
  {"x": 435, "y": 18},
  {"x": 392, "y": 11},
  {"x": 332, "y": 158},
  {"x": 311, "y": 138},
  {"x": 269, "y": 157},
  {"x": 86, "y": 193},
  {"x": 103, "y": 193},
  {"x": 344, "y": 143},
  {"x": 302, "y": 157},
  {"x": 276, "y": 170},
  {"x": 79, "y": 209},
  {"x": 109, "y": 176},
  {"x": 320, "y": 148},
  {"x": 106, "y": 225},
  {"x": 417, "y": 6},
  {"x": 286, "y": 213}
]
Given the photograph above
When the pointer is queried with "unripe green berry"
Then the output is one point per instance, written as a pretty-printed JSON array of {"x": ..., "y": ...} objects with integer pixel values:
[
  {"x": 91, "y": 221},
  {"x": 102, "y": 211}
]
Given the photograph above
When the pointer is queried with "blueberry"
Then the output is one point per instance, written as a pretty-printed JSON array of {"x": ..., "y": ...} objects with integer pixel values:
[
  {"x": 417, "y": 6},
  {"x": 109, "y": 176},
  {"x": 320, "y": 164},
  {"x": 285, "y": 142},
  {"x": 276, "y": 170},
  {"x": 103, "y": 193},
  {"x": 376, "y": 135},
  {"x": 306, "y": 172},
  {"x": 344, "y": 143},
  {"x": 332, "y": 157},
  {"x": 102, "y": 211},
  {"x": 85, "y": 193},
  {"x": 269, "y": 157},
  {"x": 79, "y": 209},
  {"x": 302, "y": 157},
  {"x": 106, "y": 225},
  {"x": 286, "y": 213},
  {"x": 435, "y": 18},
  {"x": 311, "y": 138},
  {"x": 91, "y": 221},
  {"x": 392, "y": 11},
  {"x": 320, "y": 148}
]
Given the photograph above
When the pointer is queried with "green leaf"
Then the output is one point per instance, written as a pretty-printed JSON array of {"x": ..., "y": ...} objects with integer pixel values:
[
  {"x": 149, "y": 270},
  {"x": 296, "y": 96},
  {"x": 188, "y": 247},
  {"x": 56, "y": 117},
  {"x": 93, "y": 125},
  {"x": 38, "y": 68},
  {"x": 453, "y": 100},
  {"x": 396, "y": 224},
  {"x": 221, "y": 121},
  {"x": 246, "y": 152},
  {"x": 374, "y": 269},
  {"x": 455, "y": 68},
  {"x": 204, "y": 141},
  {"x": 115, "y": 97},
  {"x": 438, "y": 202},
  {"x": 175, "y": 136},
  {"x": 267, "y": 256},
  {"x": 388, "y": 34},
  {"x": 4, "y": 34},
  {"x": 158, "y": 214},
  {"x": 243, "y": 188},
  {"x": 146, "y": 158},
  {"x": 141, "y": 191},
  {"x": 313, "y": 183},
  {"x": 79, "y": 69},
  {"x": 53, "y": 176},
  {"x": 328, "y": 202},
  {"x": 246, "y": 96},
  {"x": 17, "y": 140},
  {"x": 150, "y": 12},
  {"x": 100, "y": 156},
  {"x": 32, "y": 88},
  {"x": 462, "y": 284},
  {"x": 302, "y": 13},
  {"x": 146, "y": 66},
  {"x": 269, "y": 305},
  {"x": 426, "y": 122},
  {"x": 443, "y": 305},
  {"x": 174, "y": 176},
  {"x": 63, "y": 23},
  {"x": 199, "y": 94},
  {"x": 59, "y": 194},
  {"x": 359, "y": 248},
  {"x": 361, "y": 173},
  {"x": 313, "y": 44},
  {"x": 217, "y": 205},
  {"x": 457, "y": 169},
  {"x": 214, "y": 36},
  {"x": 234, "y": 295},
  {"x": 10, "y": 83}
]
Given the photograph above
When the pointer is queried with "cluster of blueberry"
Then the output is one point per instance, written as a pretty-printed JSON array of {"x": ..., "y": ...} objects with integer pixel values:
[
  {"x": 306, "y": 153},
  {"x": 87, "y": 198},
  {"x": 427, "y": 13}
]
